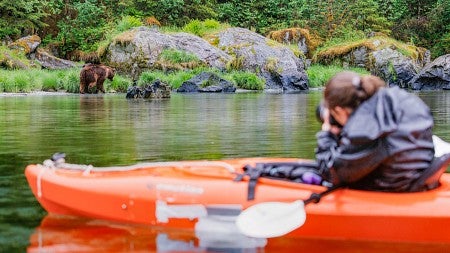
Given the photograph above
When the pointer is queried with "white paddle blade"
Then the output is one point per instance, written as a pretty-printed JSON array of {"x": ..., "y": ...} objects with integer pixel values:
[
  {"x": 271, "y": 219},
  {"x": 440, "y": 146}
]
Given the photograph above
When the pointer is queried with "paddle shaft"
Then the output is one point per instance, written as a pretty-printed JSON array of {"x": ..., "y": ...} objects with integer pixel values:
[{"x": 315, "y": 197}]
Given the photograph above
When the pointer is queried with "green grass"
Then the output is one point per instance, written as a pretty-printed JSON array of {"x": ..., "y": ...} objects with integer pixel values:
[
  {"x": 52, "y": 80},
  {"x": 319, "y": 74},
  {"x": 246, "y": 80},
  {"x": 202, "y": 28},
  {"x": 177, "y": 56},
  {"x": 68, "y": 80},
  {"x": 241, "y": 79}
]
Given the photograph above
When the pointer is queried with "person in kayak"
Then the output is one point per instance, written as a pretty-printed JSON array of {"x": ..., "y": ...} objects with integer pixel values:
[{"x": 373, "y": 137}]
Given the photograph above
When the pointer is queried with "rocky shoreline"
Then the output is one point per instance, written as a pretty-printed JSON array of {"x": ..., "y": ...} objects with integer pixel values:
[{"x": 283, "y": 68}]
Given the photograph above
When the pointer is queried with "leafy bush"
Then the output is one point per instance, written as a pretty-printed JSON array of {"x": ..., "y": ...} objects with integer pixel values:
[
  {"x": 319, "y": 74},
  {"x": 177, "y": 79},
  {"x": 149, "y": 77},
  {"x": 202, "y": 28},
  {"x": 246, "y": 80},
  {"x": 118, "y": 84},
  {"x": 128, "y": 22},
  {"x": 174, "y": 79},
  {"x": 195, "y": 27},
  {"x": 211, "y": 24}
]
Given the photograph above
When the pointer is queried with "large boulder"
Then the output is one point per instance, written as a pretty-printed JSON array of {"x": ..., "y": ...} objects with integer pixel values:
[
  {"x": 395, "y": 62},
  {"x": 435, "y": 75},
  {"x": 393, "y": 67},
  {"x": 139, "y": 49},
  {"x": 305, "y": 41},
  {"x": 49, "y": 61},
  {"x": 27, "y": 44},
  {"x": 281, "y": 68}
]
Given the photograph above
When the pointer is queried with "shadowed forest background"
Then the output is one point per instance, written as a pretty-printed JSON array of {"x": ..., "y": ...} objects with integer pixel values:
[{"x": 73, "y": 29}]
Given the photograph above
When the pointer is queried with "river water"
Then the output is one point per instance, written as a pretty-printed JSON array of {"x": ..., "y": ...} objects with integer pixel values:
[{"x": 106, "y": 130}]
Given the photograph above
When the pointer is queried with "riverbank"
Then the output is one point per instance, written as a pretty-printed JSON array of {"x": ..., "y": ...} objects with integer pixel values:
[{"x": 56, "y": 82}]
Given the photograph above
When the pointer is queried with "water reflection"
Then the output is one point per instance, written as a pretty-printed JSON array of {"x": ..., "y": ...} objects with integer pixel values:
[
  {"x": 108, "y": 130},
  {"x": 71, "y": 234},
  {"x": 92, "y": 108}
]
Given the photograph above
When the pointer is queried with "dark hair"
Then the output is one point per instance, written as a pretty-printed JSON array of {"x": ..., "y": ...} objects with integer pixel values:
[{"x": 349, "y": 89}]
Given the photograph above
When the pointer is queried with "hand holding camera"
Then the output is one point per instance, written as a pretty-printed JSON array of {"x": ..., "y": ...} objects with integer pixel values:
[{"x": 329, "y": 123}]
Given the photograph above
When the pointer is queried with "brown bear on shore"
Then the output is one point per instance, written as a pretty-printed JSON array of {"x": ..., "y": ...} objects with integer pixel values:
[{"x": 94, "y": 75}]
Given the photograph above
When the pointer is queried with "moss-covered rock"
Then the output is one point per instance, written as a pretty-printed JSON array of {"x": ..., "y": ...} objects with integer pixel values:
[
  {"x": 139, "y": 49},
  {"x": 396, "y": 62},
  {"x": 305, "y": 41},
  {"x": 26, "y": 44},
  {"x": 279, "y": 66}
]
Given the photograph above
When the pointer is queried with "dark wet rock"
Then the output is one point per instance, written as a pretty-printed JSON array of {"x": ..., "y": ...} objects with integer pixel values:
[
  {"x": 207, "y": 82},
  {"x": 434, "y": 76}
]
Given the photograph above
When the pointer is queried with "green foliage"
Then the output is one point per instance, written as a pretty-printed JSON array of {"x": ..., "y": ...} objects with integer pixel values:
[
  {"x": 318, "y": 75},
  {"x": 177, "y": 56},
  {"x": 194, "y": 27},
  {"x": 118, "y": 84},
  {"x": 52, "y": 80},
  {"x": 21, "y": 16},
  {"x": 201, "y": 28},
  {"x": 78, "y": 31},
  {"x": 246, "y": 80},
  {"x": 174, "y": 79},
  {"x": 259, "y": 15},
  {"x": 241, "y": 79},
  {"x": 49, "y": 81},
  {"x": 88, "y": 25},
  {"x": 149, "y": 77},
  {"x": 13, "y": 59},
  {"x": 344, "y": 35},
  {"x": 128, "y": 22}
]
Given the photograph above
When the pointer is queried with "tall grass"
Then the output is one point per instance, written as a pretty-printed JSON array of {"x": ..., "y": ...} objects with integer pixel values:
[
  {"x": 177, "y": 56},
  {"x": 52, "y": 80},
  {"x": 201, "y": 28},
  {"x": 319, "y": 74},
  {"x": 241, "y": 79},
  {"x": 174, "y": 79},
  {"x": 245, "y": 80}
]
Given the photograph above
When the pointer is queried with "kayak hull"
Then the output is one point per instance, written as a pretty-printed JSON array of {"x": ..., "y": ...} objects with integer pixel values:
[{"x": 187, "y": 194}]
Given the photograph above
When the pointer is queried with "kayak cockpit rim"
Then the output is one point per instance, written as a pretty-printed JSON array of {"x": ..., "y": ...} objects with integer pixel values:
[{"x": 182, "y": 164}]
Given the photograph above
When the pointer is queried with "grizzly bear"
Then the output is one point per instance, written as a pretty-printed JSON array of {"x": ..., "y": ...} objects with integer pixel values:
[{"x": 94, "y": 75}]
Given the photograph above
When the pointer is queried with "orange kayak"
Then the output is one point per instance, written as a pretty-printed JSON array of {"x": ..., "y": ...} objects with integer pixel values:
[{"x": 193, "y": 194}]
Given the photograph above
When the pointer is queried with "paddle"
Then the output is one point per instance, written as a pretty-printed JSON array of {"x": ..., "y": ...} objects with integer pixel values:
[{"x": 273, "y": 219}]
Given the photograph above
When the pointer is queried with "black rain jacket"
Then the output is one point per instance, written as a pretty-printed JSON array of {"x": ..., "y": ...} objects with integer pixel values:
[{"x": 385, "y": 145}]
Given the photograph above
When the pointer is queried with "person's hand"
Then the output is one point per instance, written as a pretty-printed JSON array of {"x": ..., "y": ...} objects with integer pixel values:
[{"x": 326, "y": 126}]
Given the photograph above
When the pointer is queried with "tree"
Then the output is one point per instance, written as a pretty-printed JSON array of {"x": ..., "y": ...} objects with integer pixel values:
[
  {"x": 261, "y": 15},
  {"x": 82, "y": 25},
  {"x": 440, "y": 27},
  {"x": 21, "y": 17},
  {"x": 328, "y": 17}
]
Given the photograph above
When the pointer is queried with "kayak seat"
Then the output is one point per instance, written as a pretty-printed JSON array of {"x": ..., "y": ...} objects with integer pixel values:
[{"x": 430, "y": 178}]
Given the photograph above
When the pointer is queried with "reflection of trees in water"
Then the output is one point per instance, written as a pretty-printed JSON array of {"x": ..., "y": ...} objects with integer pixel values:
[
  {"x": 213, "y": 126},
  {"x": 439, "y": 104}
]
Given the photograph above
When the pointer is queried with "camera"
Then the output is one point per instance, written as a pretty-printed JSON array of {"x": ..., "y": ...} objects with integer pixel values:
[{"x": 320, "y": 114}]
